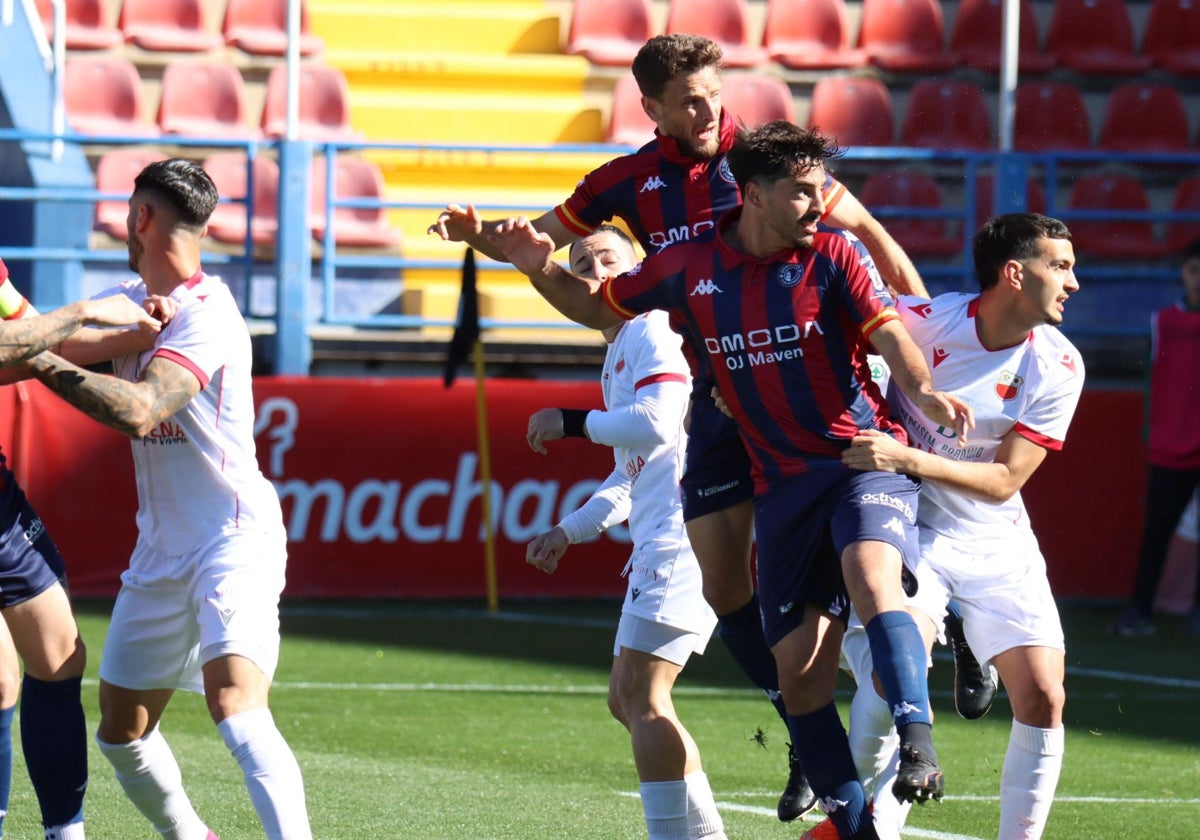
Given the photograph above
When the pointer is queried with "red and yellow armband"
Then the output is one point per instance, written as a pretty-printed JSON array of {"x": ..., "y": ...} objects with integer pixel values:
[{"x": 12, "y": 302}]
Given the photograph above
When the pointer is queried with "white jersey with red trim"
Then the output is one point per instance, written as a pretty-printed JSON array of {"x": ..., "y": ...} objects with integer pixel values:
[
  {"x": 197, "y": 474},
  {"x": 1032, "y": 387}
]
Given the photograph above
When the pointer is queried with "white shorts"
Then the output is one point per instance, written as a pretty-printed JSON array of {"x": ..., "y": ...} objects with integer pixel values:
[
  {"x": 661, "y": 640},
  {"x": 176, "y": 612},
  {"x": 1003, "y": 593},
  {"x": 665, "y": 587}
]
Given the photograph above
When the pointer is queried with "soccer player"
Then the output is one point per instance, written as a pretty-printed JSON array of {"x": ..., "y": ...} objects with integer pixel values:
[
  {"x": 38, "y": 622},
  {"x": 664, "y": 618},
  {"x": 673, "y": 190},
  {"x": 786, "y": 314},
  {"x": 1001, "y": 351},
  {"x": 199, "y": 605}
]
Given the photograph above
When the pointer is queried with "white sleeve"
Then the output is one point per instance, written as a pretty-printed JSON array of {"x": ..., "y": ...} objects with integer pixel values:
[
  {"x": 608, "y": 506},
  {"x": 653, "y": 419}
]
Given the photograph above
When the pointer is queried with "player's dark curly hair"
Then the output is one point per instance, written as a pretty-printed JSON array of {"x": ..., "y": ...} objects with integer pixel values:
[
  {"x": 184, "y": 185},
  {"x": 777, "y": 150},
  {"x": 664, "y": 57},
  {"x": 1013, "y": 236}
]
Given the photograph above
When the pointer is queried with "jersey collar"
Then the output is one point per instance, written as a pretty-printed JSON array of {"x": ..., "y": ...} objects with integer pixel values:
[
  {"x": 669, "y": 147},
  {"x": 731, "y": 257}
]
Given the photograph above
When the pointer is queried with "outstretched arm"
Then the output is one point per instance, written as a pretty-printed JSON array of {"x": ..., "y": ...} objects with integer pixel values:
[
  {"x": 23, "y": 339},
  {"x": 893, "y": 262},
  {"x": 911, "y": 375},
  {"x": 456, "y": 224}
]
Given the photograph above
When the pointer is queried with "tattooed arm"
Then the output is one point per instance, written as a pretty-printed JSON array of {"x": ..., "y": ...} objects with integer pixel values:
[
  {"x": 24, "y": 338},
  {"x": 132, "y": 408}
]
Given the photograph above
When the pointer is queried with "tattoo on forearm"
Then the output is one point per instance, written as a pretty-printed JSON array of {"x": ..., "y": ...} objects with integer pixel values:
[
  {"x": 101, "y": 397},
  {"x": 23, "y": 339}
]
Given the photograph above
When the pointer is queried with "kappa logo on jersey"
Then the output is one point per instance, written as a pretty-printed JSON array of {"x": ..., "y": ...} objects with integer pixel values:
[
  {"x": 922, "y": 310},
  {"x": 166, "y": 434},
  {"x": 1068, "y": 361},
  {"x": 940, "y": 355},
  {"x": 652, "y": 183},
  {"x": 725, "y": 172},
  {"x": 1009, "y": 385},
  {"x": 790, "y": 275},
  {"x": 904, "y": 708},
  {"x": 706, "y": 287},
  {"x": 895, "y": 526},
  {"x": 829, "y": 804}
]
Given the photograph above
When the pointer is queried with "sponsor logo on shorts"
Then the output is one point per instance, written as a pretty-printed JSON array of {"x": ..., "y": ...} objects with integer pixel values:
[
  {"x": 784, "y": 609},
  {"x": 633, "y": 596},
  {"x": 895, "y": 526},
  {"x": 717, "y": 488},
  {"x": 34, "y": 531},
  {"x": 888, "y": 501}
]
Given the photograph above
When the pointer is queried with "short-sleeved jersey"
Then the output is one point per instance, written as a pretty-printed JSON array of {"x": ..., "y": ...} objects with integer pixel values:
[
  {"x": 1175, "y": 388},
  {"x": 786, "y": 337},
  {"x": 1031, "y": 388},
  {"x": 197, "y": 474}
]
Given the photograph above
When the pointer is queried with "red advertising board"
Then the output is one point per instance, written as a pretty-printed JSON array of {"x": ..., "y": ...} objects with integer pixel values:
[{"x": 381, "y": 486}]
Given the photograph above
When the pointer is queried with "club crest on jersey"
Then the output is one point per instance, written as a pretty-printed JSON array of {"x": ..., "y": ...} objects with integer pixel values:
[
  {"x": 1009, "y": 385},
  {"x": 790, "y": 275},
  {"x": 725, "y": 172},
  {"x": 621, "y": 364}
]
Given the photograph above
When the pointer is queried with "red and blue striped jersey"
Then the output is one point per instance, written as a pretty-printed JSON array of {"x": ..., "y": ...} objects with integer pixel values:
[{"x": 786, "y": 338}]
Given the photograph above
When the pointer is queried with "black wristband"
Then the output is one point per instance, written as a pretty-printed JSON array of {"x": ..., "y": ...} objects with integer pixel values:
[{"x": 573, "y": 422}]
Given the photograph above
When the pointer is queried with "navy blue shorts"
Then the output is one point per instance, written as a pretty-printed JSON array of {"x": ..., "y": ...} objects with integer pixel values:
[
  {"x": 803, "y": 523},
  {"x": 29, "y": 561},
  {"x": 717, "y": 471}
]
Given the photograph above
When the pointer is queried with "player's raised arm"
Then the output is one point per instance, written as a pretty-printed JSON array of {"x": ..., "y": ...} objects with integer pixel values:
[
  {"x": 891, "y": 260},
  {"x": 911, "y": 374},
  {"x": 458, "y": 224}
]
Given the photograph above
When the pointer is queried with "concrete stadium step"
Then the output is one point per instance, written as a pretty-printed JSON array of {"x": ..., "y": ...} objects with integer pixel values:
[
  {"x": 534, "y": 75},
  {"x": 478, "y": 28}
]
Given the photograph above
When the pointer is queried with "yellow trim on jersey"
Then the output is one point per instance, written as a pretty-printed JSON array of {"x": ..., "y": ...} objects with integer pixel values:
[
  {"x": 832, "y": 196},
  {"x": 627, "y": 314},
  {"x": 878, "y": 321},
  {"x": 571, "y": 221}
]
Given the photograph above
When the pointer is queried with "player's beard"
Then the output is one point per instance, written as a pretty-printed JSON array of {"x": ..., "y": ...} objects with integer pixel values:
[{"x": 135, "y": 252}]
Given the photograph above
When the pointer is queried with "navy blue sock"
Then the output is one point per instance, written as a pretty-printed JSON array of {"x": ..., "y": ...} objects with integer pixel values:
[
  {"x": 899, "y": 655},
  {"x": 742, "y": 632},
  {"x": 6, "y": 754},
  {"x": 54, "y": 741},
  {"x": 819, "y": 741}
]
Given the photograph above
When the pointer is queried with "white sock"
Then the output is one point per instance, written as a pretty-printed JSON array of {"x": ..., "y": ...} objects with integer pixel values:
[
  {"x": 874, "y": 744},
  {"x": 151, "y": 779},
  {"x": 272, "y": 774},
  {"x": 704, "y": 822},
  {"x": 666, "y": 807},
  {"x": 1030, "y": 777},
  {"x": 72, "y": 830}
]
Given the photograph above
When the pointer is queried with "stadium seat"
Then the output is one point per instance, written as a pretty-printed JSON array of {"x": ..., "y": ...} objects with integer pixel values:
[
  {"x": 324, "y": 112},
  {"x": 259, "y": 27},
  {"x": 1118, "y": 238},
  {"x": 920, "y": 237},
  {"x": 629, "y": 125},
  {"x": 855, "y": 110},
  {"x": 1094, "y": 37},
  {"x": 355, "y": 227},
  {"x": 1185, "y": 200},
  {"x": 978, "y": 30},
  {"x": 810, "y": 35},
  {"x": 757, "y": 98},
  {"x": 904, "y": 36},
  {"x": 103, "y": 95},
  {"x": 229, "y": 172},
  {"x": 609, "y": 33},
  {"x": 724, "y": 21},
  {"x": 115, "y": 172},
  {"x": 946, "y": 115},
  {"x": 85, "y": 29},
  {"x": 167, "y": 25},
  {"x": 1050, "y": 117},
  {"x": 1144, "y": 117},
  {"x": 1171, "y": 36},
  {"x": 985, "y": 198},
  {"x": 204, "y": 99}
]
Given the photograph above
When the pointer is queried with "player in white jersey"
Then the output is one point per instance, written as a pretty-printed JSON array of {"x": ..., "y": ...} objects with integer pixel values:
[
  {"x": 199, "y": 605},
  {"x": 1002, "y": 353},
  {"x": 664, "y": 618}
]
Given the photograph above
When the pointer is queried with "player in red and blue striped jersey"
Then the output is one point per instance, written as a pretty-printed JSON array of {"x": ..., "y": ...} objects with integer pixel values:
[{"x": 788, "y": 344}]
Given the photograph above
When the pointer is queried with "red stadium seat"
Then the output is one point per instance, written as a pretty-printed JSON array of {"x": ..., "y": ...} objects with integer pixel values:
[
  {"x": 324, "y": 112},
  {"x": 977, "y": 34},
  {"x": 855, "y": 110},
  {"x": 1050, "y": 117},
  {"x": 259, "y": 27},
  {"x": 904, "y": 36},
  {"x": 1144, "y": 118},
  {"x": 810, "y": 35},
  {"x": 1185, "y": 200},
  {"x": 229, "y": 172},
  {"x": 86, "y": 29},
  {"x": 985, "y": 198},
  {"x": 609, "y": 33},
  {"x": 920, "y": 237},
  {"x": 1119, "y": 238},
  {"x": 757, "y": 98},
  {"x": 204, "y": 99},
  {"x": 167, "y": 25},
  {"x": 355, "y": 227},
  {"x": 115, "y": 172},
  {"x": 946, "y": 115},
  {"x": 1171, "y": 37},
  {"x": 1094, "y": 37},
  {"x": 629, "y": 124},
  {"x": 723, "y": 21},
  {"x": 103, "y": 95}
]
